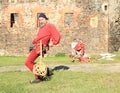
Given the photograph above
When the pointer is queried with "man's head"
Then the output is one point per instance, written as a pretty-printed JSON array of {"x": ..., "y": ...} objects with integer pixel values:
[{"x": 42, "y": 19}]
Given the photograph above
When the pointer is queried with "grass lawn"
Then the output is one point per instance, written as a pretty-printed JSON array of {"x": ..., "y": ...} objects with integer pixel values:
[
  {"x": 11, "y": 60},
  {"x": 61, "y": 82},
  {"x": 19, "y": 60}
]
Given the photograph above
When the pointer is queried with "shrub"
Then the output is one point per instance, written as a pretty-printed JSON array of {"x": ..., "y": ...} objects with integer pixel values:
[{"x": 60, "y": 55}]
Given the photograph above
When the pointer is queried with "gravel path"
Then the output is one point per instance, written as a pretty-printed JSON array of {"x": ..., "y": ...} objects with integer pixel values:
[{"x": 81, "y": 67}]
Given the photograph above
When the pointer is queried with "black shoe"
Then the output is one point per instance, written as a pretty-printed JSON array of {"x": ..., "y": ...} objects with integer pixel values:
[
  {"x": 49, "y": 72},
  {"x": 73, "y": 60},
  {"x": 36, "y": 81}
]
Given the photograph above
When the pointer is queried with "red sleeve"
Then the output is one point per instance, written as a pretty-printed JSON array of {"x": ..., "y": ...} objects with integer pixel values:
[
  {"x": 55, "y": 35},
  {"x": 37, "y": 38},
  {"x": 79, "y": 47},
  {"x": 41, "y": 34},
  {"x": 82, "y": 49}
]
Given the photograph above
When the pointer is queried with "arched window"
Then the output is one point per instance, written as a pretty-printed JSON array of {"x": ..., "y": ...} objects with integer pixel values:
[
  {"x": 68, "y": 19},
  {"x": 14, "y": 19}
]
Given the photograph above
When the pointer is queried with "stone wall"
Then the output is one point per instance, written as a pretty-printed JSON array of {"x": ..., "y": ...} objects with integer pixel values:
[
  {"x": 114, "y": 26},
  {"x": 86, "y": 19}
]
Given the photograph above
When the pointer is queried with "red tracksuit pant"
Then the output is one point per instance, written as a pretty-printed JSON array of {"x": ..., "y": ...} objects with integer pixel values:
[{"x": 30, "y": 60}]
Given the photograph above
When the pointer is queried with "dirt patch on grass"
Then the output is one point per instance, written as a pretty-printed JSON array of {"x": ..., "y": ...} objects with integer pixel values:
[{"x": 80, "y": 67}]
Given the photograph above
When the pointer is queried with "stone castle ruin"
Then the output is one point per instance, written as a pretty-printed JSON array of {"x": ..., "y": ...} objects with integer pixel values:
[{"x": 97, "y": 22}]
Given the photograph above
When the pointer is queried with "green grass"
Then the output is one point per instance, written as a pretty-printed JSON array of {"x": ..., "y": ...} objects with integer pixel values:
[
  {"x": 61, "y": 82},
  {"x": 19, "y": 61},
  {"x": 117, "y": 57},
  {"x": 97, "y": 59},
  {"x": 12, "y": 60},
  {"x": 58, "y": 59}
]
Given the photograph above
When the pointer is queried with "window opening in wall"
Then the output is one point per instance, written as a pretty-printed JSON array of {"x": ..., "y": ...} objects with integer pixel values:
[
  {"x": 105, "y": 7},
  {"x": 4, "y": 1},
  {"x": 14, "y": 19},
  {"x": 0, "y": 1},
  {"x": 68, "y": 19},
  {"x": 12, "y": 1},
  {"x": 31, "y": 0},
  {"x": 52, "y": 0},
  {"x": 42, "y": 0},
  {"x": 117, "y": 1},
  {"x": 21, "y": 1},
  {"x": 38, "y": 19}
]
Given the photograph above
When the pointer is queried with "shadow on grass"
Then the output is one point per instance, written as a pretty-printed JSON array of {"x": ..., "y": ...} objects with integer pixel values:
[{"x": 61, "y": 67}]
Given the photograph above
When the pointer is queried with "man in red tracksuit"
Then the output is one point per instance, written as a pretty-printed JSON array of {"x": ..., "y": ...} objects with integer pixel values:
[
  {"x": 78, "y": 50},
  {"x": 49, "y": 36}
]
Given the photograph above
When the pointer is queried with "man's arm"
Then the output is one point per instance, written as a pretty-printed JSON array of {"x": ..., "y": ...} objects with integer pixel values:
[{"x": 55, "y": 35}]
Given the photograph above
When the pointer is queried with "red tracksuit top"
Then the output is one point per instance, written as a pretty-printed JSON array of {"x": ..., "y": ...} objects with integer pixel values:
[
  {"x": 46, "y": 33},
  {"x": 80, "y": 47}
]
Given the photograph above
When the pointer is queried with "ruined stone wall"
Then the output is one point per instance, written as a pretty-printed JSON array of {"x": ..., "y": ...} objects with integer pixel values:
[
  {"x": 91, "y": 25},
  {"x": 114, "y": 26},
  {"x": 86, "y": 19}
]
